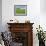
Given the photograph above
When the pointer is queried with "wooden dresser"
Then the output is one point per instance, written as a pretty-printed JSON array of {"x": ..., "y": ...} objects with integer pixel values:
[{"x": 22, "y": 33}]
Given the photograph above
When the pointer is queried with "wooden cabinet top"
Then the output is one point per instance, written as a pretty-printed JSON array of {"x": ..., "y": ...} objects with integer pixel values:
[
  {"x": 23, "y": 27},
  {"x": 20, "y": 23}
]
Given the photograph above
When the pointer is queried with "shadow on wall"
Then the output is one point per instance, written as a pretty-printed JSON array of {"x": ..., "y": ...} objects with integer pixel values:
[
  {"x": 35, "y": 40},
  {"x": 0, "y": 15},
  {"x": 43, "y": 6}
]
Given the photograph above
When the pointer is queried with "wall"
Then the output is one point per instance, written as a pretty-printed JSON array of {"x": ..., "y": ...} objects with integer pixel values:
[
  {"x": 43, "y": 14},
  {"x": 0, "y": 15},
  {"x": 33, "y": 10},
  {"x": 43, "y": 6},
  {"x": 34, "y": 14}
]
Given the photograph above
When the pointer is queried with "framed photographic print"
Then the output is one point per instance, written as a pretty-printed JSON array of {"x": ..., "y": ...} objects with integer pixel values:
[{"x": 20, "y": 10}]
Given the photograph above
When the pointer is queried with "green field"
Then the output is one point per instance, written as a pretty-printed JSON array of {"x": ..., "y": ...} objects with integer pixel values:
[{"x": 20, "y": 11}]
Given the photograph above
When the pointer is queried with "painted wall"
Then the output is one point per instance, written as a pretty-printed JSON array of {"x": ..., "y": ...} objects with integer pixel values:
[
  {"x": 43, "y": 6},
  {"x": 34, "y": 14},
  {"x": 0, "y": 15},
  {"x": 43, "y": 14},
  {"x": 33, "y": 11}
]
